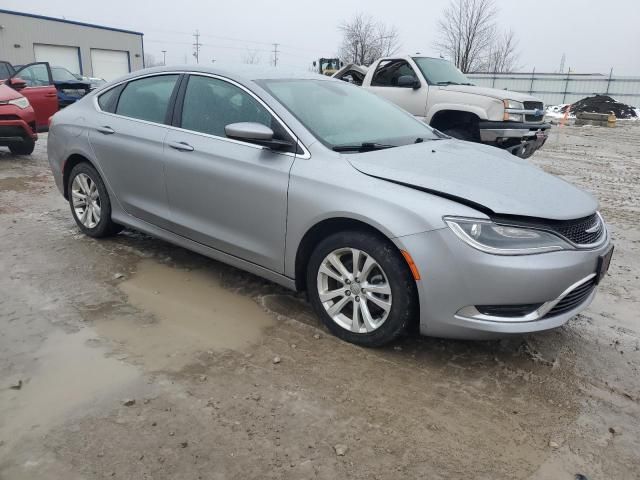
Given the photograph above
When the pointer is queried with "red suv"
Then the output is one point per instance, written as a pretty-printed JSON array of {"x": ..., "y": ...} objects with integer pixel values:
[{"x": 25, "y": 105}]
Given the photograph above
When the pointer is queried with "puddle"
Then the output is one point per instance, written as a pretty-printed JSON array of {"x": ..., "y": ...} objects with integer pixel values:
[
  {"x": 191, "y": 312},
  {"x": 69, "y": 378},
  {"x": 20, "y": 184}
]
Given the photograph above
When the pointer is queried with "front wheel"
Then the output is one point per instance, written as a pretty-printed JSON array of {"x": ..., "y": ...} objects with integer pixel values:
[
  {"x": 361, "y": 287},
  {"x": 24, "y": 148}
]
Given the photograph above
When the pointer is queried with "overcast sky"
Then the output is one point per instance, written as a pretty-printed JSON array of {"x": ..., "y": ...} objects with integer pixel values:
[{"x": 594, "y": 35}]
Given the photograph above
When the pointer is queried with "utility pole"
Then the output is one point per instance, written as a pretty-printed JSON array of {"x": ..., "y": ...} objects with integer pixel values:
[
  {"x": 164, "y": 57},
  {"x": 275, "y": 54},
  {"x": 562, "y": 60},
  {"x": 196, "y": 46}
]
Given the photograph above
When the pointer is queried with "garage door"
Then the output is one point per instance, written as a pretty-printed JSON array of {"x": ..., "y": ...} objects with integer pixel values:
[
  {"x": 58, "y": 56},
  {"x": 109, "y": 64}
]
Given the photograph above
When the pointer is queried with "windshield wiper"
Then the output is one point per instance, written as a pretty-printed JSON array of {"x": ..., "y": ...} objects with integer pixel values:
[
  {"x": 447, "y": 83},
  {"x": 362, "y": 147}
]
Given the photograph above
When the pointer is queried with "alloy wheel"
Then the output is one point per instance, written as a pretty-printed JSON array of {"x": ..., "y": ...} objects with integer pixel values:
[
  {"x": 354, "y": 290},
  {"x": 86, "y": 200}
]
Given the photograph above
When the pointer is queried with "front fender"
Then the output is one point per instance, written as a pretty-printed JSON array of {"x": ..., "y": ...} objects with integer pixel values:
[{"x": 318, "y": 193}]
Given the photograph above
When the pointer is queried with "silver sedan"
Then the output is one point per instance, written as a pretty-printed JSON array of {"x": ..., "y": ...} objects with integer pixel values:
[{"x": 321, "y": 186}]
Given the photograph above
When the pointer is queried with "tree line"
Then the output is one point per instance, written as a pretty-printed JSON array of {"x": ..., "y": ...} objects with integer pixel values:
[{"x": 468, "y": 35}]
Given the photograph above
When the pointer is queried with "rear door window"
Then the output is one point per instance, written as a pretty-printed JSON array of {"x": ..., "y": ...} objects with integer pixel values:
[{"x": 147, "y": 98}]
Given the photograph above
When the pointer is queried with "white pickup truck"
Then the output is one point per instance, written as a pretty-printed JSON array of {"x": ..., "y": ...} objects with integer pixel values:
[{"x": 436, "y": 92}]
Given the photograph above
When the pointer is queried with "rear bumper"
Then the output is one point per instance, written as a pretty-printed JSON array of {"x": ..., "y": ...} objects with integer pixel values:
[{"x": 456, "y": 277}]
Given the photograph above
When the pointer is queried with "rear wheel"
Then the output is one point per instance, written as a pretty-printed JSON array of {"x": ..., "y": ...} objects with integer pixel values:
[
  {"x": 25, "y": 148},
  {"x": 361, "y": 288},
  {"x": 89, "y": 201}
]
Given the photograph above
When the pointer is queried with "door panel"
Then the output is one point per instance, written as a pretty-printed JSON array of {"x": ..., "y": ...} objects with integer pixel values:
[
  {"x": 384, "y": 84},
  {"x": 40, "y": 91},
  {"x": 229, "y": 195},
  {"x": 129, "y": 145},
  {"x": 130, "y": 153}
]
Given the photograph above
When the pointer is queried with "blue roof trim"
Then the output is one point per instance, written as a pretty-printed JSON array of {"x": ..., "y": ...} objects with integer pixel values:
[{"x": 72, "y": 22}]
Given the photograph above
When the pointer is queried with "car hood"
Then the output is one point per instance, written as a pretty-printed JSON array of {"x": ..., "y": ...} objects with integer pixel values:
[
  {"x": 7, "y": 93},
  {"x": 481, "y": 176},
  {"x": 491, "y": 92}
]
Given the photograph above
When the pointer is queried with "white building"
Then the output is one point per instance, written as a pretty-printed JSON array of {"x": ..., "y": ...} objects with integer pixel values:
[{"x": 82, "y": 48}]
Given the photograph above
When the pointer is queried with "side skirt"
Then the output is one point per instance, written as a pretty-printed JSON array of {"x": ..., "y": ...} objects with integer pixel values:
[{"x": 184, "y": 242}]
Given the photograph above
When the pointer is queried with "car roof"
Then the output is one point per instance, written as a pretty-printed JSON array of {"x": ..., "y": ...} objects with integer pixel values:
[{"x": 239, "y": 72}]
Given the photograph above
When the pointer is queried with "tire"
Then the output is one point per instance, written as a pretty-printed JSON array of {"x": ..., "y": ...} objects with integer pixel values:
[
  {"x": 97, "y": 223},
  {"x": 25, "y": 148},
  {"x": 390, "y": 274},
  {"x": 460, "y": 134}
]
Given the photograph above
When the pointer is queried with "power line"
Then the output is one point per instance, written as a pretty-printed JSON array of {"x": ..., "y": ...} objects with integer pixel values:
[{"x": 196, "y": 46}]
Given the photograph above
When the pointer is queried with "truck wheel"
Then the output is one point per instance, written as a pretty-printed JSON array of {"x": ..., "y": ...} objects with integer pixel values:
[
  {"x": 25, "y": 148},
  {"x": 460, "y": 134}
]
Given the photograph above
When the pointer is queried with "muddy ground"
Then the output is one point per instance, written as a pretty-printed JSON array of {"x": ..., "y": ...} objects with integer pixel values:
[{"x": 131, "y": 358}]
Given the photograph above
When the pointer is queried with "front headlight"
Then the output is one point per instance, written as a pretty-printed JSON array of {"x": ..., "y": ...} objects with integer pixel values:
[
  {"x": 21, "y": 102},
  {"x": 497, "y": 239},
  {"x": 513, "y": 105}
]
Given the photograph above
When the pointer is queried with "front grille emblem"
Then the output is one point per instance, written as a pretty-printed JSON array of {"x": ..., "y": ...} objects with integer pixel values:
[{"x": 593, "y": 229}]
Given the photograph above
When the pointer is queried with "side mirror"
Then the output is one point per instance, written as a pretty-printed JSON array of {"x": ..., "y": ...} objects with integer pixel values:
[
  {"x": 16, "y": 83},
  {"x": 408, "y": 81},
  {"x": 257, "y": 133}
]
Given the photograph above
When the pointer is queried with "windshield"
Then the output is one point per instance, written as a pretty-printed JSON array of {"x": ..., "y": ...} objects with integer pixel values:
[
  {"x": 337, "y": 113},
  {"x": 440, "y": 71},
  {"x": 5, "y": 70},
  {"x": 61, "y": 74}
]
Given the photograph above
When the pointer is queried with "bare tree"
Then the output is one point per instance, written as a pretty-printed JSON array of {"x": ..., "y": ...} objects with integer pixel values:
[
  {"x": 364, "y": 40},
  {"x": 502, "y": 55},
  {"x": 252, "y": 57},
  {"x": 467, "y": 31}
]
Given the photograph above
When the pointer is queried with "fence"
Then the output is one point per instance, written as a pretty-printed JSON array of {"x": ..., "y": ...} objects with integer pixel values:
[{"x": 556, "y": 88}]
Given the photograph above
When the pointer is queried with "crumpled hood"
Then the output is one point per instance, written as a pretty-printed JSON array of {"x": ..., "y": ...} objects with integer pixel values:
[
  {"x": 480, "y": 175},
  {"x": 491, "y": 92}
]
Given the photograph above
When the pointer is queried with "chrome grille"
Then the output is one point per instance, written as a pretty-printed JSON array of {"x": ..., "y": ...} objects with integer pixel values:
[
  {"x": 534, "y": 106},
  {"x": 573, "y": 299}
]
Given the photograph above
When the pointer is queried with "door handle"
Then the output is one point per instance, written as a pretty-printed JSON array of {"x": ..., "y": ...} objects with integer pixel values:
[
  {"x": 181, "y": 146},
  {"x": 51, "y": 95},
  {"x": 106, "y": 130}
]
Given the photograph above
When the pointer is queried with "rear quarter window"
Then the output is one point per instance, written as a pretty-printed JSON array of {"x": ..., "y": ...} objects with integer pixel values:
[{"x": 109, "y": 99}]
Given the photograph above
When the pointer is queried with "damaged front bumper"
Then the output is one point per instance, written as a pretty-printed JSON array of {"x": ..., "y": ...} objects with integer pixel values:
[{"x": 520, "y": 139}]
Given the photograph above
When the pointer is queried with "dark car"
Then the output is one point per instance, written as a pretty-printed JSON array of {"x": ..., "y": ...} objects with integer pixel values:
[{"x": 69, "y": 87}]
